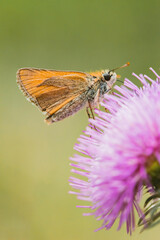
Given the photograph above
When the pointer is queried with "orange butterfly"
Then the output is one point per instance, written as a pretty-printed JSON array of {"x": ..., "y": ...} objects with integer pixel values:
[{"x": 60, "y": 94}]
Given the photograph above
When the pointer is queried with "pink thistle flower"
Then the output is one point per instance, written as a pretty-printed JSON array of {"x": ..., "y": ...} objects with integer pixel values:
[{"x": 116, "y": 160}]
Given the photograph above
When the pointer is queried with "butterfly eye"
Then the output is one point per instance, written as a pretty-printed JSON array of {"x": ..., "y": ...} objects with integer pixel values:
[{"x": 107, "y": 76}]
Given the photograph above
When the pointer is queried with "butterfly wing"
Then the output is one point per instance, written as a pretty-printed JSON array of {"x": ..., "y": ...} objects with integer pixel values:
[{"x": 54, "y": 91}]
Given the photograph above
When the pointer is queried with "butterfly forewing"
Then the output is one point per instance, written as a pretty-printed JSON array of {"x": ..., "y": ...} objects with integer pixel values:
[{"x": 52, "y": 90}]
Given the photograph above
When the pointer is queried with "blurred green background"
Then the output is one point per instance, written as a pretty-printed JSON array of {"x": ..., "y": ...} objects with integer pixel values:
[{"x": 34, "y": 157}]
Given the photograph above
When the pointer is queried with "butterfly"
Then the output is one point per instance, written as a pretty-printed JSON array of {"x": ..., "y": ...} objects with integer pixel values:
[{"x": 59, "y": 94}]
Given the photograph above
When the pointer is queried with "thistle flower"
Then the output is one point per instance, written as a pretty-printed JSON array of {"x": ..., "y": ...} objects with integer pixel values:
[{"x": 117, "y": 157}]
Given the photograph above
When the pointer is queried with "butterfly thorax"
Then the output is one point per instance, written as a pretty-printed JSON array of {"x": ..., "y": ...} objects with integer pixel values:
[
  {"x": 96, "y": 92},
  {"x": 102, "y": 84}
]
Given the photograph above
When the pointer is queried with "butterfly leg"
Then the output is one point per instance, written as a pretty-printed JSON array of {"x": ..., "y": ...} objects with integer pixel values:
[
  {"x": 90, "y": 107},
  {"x": 91, "y": 110},
  {"x": 89, "y": 116}
]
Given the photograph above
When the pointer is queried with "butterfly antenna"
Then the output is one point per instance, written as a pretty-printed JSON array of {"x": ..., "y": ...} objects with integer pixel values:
[{"x": 125, "y": 65}]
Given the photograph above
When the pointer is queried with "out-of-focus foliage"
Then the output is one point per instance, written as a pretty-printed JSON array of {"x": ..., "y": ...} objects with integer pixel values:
[
  {"x": 151, "y": 210},
  {"x": 34, "y": 167}
]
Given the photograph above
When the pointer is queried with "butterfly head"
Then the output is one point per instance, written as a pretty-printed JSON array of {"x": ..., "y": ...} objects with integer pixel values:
[{"x": 109, "y": 76}]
